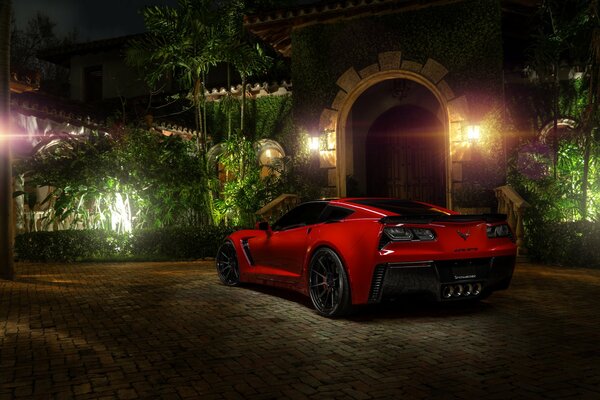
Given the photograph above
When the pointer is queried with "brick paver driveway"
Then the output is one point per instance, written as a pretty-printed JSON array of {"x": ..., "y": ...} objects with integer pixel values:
[{"x": 170, "y": 330}]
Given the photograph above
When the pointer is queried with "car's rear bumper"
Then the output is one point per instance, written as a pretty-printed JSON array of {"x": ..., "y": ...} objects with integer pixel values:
[{"x": 447, "y": 280}]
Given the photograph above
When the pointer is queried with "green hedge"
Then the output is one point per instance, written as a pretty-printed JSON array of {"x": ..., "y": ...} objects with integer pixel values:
[
  {"x": 97, "y": 245},
  {"x": 179, "y": 243},
  {"x": 572, "y": 244}
]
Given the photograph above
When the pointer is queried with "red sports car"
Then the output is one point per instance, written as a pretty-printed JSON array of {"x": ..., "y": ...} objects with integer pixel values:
[{"x": 361, "y": 250}]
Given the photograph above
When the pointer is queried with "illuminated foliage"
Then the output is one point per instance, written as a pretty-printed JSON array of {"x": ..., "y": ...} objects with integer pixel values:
[{"x": 142, "y": 180}]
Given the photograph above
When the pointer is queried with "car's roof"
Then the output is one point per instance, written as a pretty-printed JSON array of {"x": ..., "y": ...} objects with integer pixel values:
[{"x": 391, "y": 206}]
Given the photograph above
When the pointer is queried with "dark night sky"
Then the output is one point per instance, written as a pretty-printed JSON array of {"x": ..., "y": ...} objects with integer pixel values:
[{"x": 93, "y": 19}]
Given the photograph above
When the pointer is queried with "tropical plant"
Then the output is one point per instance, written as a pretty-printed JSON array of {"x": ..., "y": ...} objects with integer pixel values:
[
  {"x": 183, "y": 43},
  {"x": 243, "y": 191},
  {"x": 142, "y": 180},
  {"x": 180, "y": 44},
  {"x": 558, "y": 24},
  {"x": 591, "y": 119},
  {"x": 571, "y": 31},
  {"x": 557, "y": 199},
  {"x": 237, "y": 49}
]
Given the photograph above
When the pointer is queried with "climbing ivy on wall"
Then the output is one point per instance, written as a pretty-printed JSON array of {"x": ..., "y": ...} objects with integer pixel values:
[
  {"x": 464, "y": 37},
  {"x": 266, "y": 117}
]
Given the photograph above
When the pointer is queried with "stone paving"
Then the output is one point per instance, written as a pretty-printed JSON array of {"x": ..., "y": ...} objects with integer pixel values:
[{"x": 170, "y": 330}]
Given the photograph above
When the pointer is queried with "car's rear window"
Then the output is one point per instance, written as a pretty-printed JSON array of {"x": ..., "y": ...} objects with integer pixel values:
[
  {"x": 333, "y": 213},
  {"x": 401, "y": 207}
]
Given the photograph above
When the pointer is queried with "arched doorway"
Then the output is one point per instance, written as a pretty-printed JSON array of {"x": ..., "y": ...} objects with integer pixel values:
[
  {"x": 395, "y": 139},
  {"x": 405, "y": 155}
]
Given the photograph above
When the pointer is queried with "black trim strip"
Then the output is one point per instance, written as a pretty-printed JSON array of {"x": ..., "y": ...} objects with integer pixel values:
[
  {"x": 427, "y": 219},
  {"x": 414, "y": 264}
]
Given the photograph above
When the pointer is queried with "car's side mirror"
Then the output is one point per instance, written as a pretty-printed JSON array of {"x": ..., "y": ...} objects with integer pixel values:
[{"x": 263, "y": 226}]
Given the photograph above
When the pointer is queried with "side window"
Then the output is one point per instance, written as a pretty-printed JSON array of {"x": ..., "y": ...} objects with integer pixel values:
[
  {"x": 333, "y": 213},
  {"x": 304, "y": 214},
  {"x": 93, "y": 83}
]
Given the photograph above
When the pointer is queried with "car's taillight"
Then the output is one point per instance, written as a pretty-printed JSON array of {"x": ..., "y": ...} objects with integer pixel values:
[
  {"x": 397, "y": 233},
  {"x": 424, "y": 234},
  {"x": 405, "y": 234},
  {"x": 499, "y": 231}
]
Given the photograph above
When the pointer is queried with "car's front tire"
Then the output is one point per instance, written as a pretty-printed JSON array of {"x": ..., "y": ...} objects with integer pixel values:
[
  {"x": 227, "y": 264},
  {"x": 328, "y": 284}
]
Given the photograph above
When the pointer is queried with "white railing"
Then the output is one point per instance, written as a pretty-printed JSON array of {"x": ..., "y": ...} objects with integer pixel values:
[
  {"x": 278, "y": 207},
  {"x": 513, "y": 205}
]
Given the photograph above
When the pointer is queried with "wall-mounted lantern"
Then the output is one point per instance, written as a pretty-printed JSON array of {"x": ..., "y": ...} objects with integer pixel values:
[
  {"x": 315, "y": 143},
  {"x": 473, "y": 132}
]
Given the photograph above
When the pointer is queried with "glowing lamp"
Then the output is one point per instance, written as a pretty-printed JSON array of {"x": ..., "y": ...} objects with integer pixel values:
[
  {"x": 473, "y": 132},
  {"x": 314, "y": 143}
]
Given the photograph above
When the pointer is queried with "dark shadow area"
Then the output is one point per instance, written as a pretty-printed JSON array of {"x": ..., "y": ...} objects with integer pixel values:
[
  {"x": 403, "y": 307},
  {"x": 415, "y": 307},
  {"x": 285, "y": 294}
]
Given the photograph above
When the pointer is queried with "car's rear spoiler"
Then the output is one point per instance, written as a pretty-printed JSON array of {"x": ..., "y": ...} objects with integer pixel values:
[{"x": 427, "y": 219}]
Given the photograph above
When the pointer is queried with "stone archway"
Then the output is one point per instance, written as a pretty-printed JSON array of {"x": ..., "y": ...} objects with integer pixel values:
[{"x": 390, "y": 65}]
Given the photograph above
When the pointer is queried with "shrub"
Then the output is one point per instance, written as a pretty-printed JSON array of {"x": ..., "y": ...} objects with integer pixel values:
[
  {"x": 98, "y": 245},
  {"x": 566, "y": 243},
  {"x": 179, "y": 243},
  {"x": 71, "y": 245}
]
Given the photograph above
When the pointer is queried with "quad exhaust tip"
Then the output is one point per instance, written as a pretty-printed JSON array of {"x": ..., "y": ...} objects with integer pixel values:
[{"x": 457, "y": 290}]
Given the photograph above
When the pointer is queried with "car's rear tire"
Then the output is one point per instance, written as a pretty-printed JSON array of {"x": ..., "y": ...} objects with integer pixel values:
[
  {"x": 328, "y": 284},
  {"x": 227, "y": 264}
]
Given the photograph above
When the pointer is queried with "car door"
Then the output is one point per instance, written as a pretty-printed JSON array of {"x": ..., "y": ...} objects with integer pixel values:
[{"x": 282, "y": 250}]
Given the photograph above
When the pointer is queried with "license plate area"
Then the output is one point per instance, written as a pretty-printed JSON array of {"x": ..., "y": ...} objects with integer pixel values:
[{"x": 463, "y": 270}]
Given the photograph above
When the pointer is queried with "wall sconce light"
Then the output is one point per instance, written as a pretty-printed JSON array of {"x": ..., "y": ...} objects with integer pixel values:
[
  {"x": 330, "y": 137},
  {"x": 473, "y": 132},
  {"x": 315, "y": 143}
]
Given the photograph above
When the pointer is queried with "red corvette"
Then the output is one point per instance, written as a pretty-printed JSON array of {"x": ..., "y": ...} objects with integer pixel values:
[{"x": 361, "y": 250}]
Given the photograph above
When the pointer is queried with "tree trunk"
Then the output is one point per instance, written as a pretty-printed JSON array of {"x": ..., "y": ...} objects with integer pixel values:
[
  {"x": 243, "y": 107},
  {"x": 204, "y": 128},
  {"x": 555, "y": 111},
  {"x": 7, "y": 269},
  {"x": 197, "y": 114},
  {"x": 586, "y": 171},
  {"x": 229, "y": 111}
]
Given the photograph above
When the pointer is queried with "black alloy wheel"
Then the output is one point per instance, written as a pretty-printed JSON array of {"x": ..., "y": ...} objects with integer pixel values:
[
  {"x": 328, "y": 284},
  {"x": 227, "y": 264}
]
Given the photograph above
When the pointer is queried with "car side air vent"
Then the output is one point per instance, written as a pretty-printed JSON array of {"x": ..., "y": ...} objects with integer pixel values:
[
  {"x": 246, "y": 248},
  {"x": 377, "y": 284}
]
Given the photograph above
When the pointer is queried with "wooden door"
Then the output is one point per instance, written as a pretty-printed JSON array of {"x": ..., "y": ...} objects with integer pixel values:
[{"x": 405, "y": 156}]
